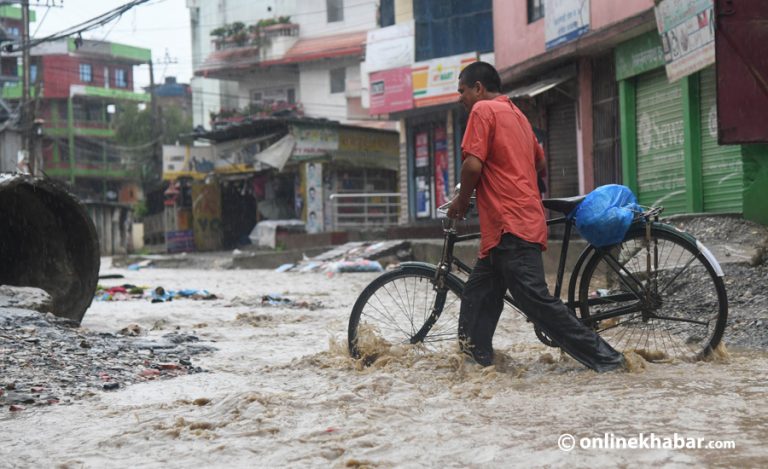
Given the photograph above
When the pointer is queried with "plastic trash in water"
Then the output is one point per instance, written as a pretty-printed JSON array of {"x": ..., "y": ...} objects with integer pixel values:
[
  {"x": 358, "y": 265},
  {"x": 140, "y": 265},
  {"x": 285, "y": 267}
]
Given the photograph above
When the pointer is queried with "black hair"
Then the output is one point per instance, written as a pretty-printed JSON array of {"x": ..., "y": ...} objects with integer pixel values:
[{"x": 483, "y": 72}]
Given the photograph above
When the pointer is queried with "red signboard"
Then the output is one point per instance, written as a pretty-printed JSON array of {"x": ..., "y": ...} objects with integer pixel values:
[
  {"x": 741, "y": 34},
  {"x": 391, "y": 91}
]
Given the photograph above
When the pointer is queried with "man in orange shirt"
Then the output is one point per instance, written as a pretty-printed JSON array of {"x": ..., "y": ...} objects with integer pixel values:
[{"x": 501, "y": 158}]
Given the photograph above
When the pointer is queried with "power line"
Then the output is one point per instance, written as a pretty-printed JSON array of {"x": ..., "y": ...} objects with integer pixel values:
[{"x": 80, "y": 28}]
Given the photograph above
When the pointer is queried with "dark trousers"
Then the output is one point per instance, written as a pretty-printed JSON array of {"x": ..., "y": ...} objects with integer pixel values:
[{"x": 516, "y": 265}]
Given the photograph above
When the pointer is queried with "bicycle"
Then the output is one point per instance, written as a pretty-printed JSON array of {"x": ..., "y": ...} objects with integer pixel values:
[{"x": 659, "y": 293}]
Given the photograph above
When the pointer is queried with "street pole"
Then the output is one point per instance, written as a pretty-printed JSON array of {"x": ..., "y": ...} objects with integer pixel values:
[
  {"x": 25, "y": 121},
  {"x": 157, "y": 125}
]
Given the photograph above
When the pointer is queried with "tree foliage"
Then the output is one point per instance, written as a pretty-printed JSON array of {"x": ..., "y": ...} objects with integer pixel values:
[{"x": 140, "y": 139}]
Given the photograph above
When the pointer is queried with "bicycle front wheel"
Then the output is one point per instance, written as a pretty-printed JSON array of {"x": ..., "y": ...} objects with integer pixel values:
[
  {"x": 662, "y": 299},
  {"x": 404, "y": 306}
]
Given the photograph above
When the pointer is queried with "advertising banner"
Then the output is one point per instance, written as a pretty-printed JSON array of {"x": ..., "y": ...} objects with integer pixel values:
[
  {"x": 423, "y": 189},
  {"x": 687, "y": 30},
  {"x": 442, "y": 184},
  {"x": 564, "y": 21},
  {"x": 390, "y": 47},
  {"x": 391, "y": 91},
  {"x": 314, "y": 178},
  {"x": 436, "y": 81},
  {"x": 315, "y": 141}
]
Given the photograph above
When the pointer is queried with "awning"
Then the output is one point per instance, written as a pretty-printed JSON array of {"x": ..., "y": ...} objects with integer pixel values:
[
  {"x": 226, "y": 61},
  {"x": 325, "y": 47},
  {"x": 277, "y": 154},
  {"x": 529, "y": 91}
]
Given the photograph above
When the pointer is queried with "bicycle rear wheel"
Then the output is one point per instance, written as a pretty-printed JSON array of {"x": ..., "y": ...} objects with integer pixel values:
[
  {"x": 671, "y": 307},
  {"x": 404, "y": 307}
]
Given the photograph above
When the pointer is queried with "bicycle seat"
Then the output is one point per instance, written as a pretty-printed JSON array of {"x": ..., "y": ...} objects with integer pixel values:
[{"x": 563, "y": 205}]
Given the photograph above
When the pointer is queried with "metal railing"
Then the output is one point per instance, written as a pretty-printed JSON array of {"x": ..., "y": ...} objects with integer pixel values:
[{"x": 365, "y": 210}]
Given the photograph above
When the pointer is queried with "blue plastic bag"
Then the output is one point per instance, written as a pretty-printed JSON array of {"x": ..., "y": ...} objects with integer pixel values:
[{"x": 604, "y": 217}]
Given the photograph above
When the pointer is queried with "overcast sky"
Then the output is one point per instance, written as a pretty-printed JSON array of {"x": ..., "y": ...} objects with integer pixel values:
[{"x": 159, "y": 25}]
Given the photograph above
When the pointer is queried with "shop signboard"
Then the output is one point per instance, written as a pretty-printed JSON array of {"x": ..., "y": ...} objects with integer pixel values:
[
  {"x": 687, "y": 30},
  {"x": 638, "y": 55},
  {"x": 435, "y": 81},
  {"x": 564, "y": 21},
  {"x": 314, "y": 141},
  {"x": 390, "y": 47},
  {"x": 391, "y": 91},
  {"x": 187, "y": 161}
]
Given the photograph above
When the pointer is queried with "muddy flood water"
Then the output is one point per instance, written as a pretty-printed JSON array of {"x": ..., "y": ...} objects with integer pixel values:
[{"x": 281, "y": 391}]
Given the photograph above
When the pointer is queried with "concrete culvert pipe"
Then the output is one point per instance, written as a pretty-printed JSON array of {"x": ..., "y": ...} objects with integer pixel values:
[{"x": 48, "y": 241}]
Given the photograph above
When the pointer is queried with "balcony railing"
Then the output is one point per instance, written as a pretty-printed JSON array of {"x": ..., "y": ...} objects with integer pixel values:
[
  {"x": 256, "y": 37},
  {"x": 365, "y": 210}
]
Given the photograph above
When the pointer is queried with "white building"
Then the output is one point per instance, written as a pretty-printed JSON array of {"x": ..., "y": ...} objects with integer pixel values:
[
  {"x": 210, "y": 95},
  {"x": 309, "y": 59}
]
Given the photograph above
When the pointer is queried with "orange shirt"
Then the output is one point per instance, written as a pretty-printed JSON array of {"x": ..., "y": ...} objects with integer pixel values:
[{"x": 508, "y": 197}]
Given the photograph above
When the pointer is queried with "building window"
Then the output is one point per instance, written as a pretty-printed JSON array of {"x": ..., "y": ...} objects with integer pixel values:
[
  {"x": 445, "y": 28},
  {"x": 338, "y": 79},
  {"x": 120, "y": 80},
  {"x": 270, "y": 96},
  {"x": 386, "y": 13},
  {"x": 335, "y": 10},
  {"x": 86, "y": 73},
  {"x": 535, "y": 10},
  {"x": 33, "y": 74}
]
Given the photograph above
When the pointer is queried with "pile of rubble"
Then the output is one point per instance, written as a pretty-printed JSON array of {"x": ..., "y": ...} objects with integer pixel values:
[{"x": 48, "y": 360}]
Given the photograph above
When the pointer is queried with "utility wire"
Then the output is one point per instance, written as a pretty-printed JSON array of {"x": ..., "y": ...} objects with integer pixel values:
[{"x": 85, "y": 26}]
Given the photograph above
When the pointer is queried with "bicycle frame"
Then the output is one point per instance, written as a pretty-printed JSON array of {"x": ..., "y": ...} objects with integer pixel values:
[{"x": 451, "y": 237}]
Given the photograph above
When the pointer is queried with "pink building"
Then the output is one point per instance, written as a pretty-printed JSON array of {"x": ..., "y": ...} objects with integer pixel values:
[{"x": 559, "y": 67}]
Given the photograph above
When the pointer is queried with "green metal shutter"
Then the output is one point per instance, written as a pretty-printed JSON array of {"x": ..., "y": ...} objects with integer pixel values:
[
  {"x": 660, "y": 139},
  {"x": 722, "y": 170}
]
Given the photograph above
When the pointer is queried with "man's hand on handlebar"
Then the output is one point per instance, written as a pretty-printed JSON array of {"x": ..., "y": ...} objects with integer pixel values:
[{"x": 458, "y": 208}]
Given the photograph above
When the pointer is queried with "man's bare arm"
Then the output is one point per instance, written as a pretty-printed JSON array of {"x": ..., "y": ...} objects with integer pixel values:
[{"x": 470, "y": 175}]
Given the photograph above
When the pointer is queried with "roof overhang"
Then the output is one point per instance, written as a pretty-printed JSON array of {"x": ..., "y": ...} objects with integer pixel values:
[
  {"x": 535, "y": 89},
  {"x": 325, "y": 47}
]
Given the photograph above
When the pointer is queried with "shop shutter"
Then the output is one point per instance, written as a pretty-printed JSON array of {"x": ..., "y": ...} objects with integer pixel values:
[
  {"x": 722, "y": 170},
  {"x": 605, "y": 122},
  {"x": 660, "y": 143},
  {"x": 561, "y": 150}
]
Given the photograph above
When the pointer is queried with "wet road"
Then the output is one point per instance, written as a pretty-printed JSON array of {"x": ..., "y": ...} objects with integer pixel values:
[{"x": 281, "y": 391}]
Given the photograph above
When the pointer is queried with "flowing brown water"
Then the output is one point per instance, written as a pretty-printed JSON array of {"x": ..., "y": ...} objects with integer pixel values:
[{"x": 282, "y": 391}]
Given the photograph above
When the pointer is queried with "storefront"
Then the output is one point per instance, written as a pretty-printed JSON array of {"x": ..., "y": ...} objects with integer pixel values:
[
  {"x": 550, "y": 106},
  {"x": 432, "y": 147},
  {"x": 670, "y": 154},
  {"x": 347, "y": 177}
]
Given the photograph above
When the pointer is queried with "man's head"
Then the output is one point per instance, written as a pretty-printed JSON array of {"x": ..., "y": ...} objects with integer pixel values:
[{"x": 478, "y": 81}]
